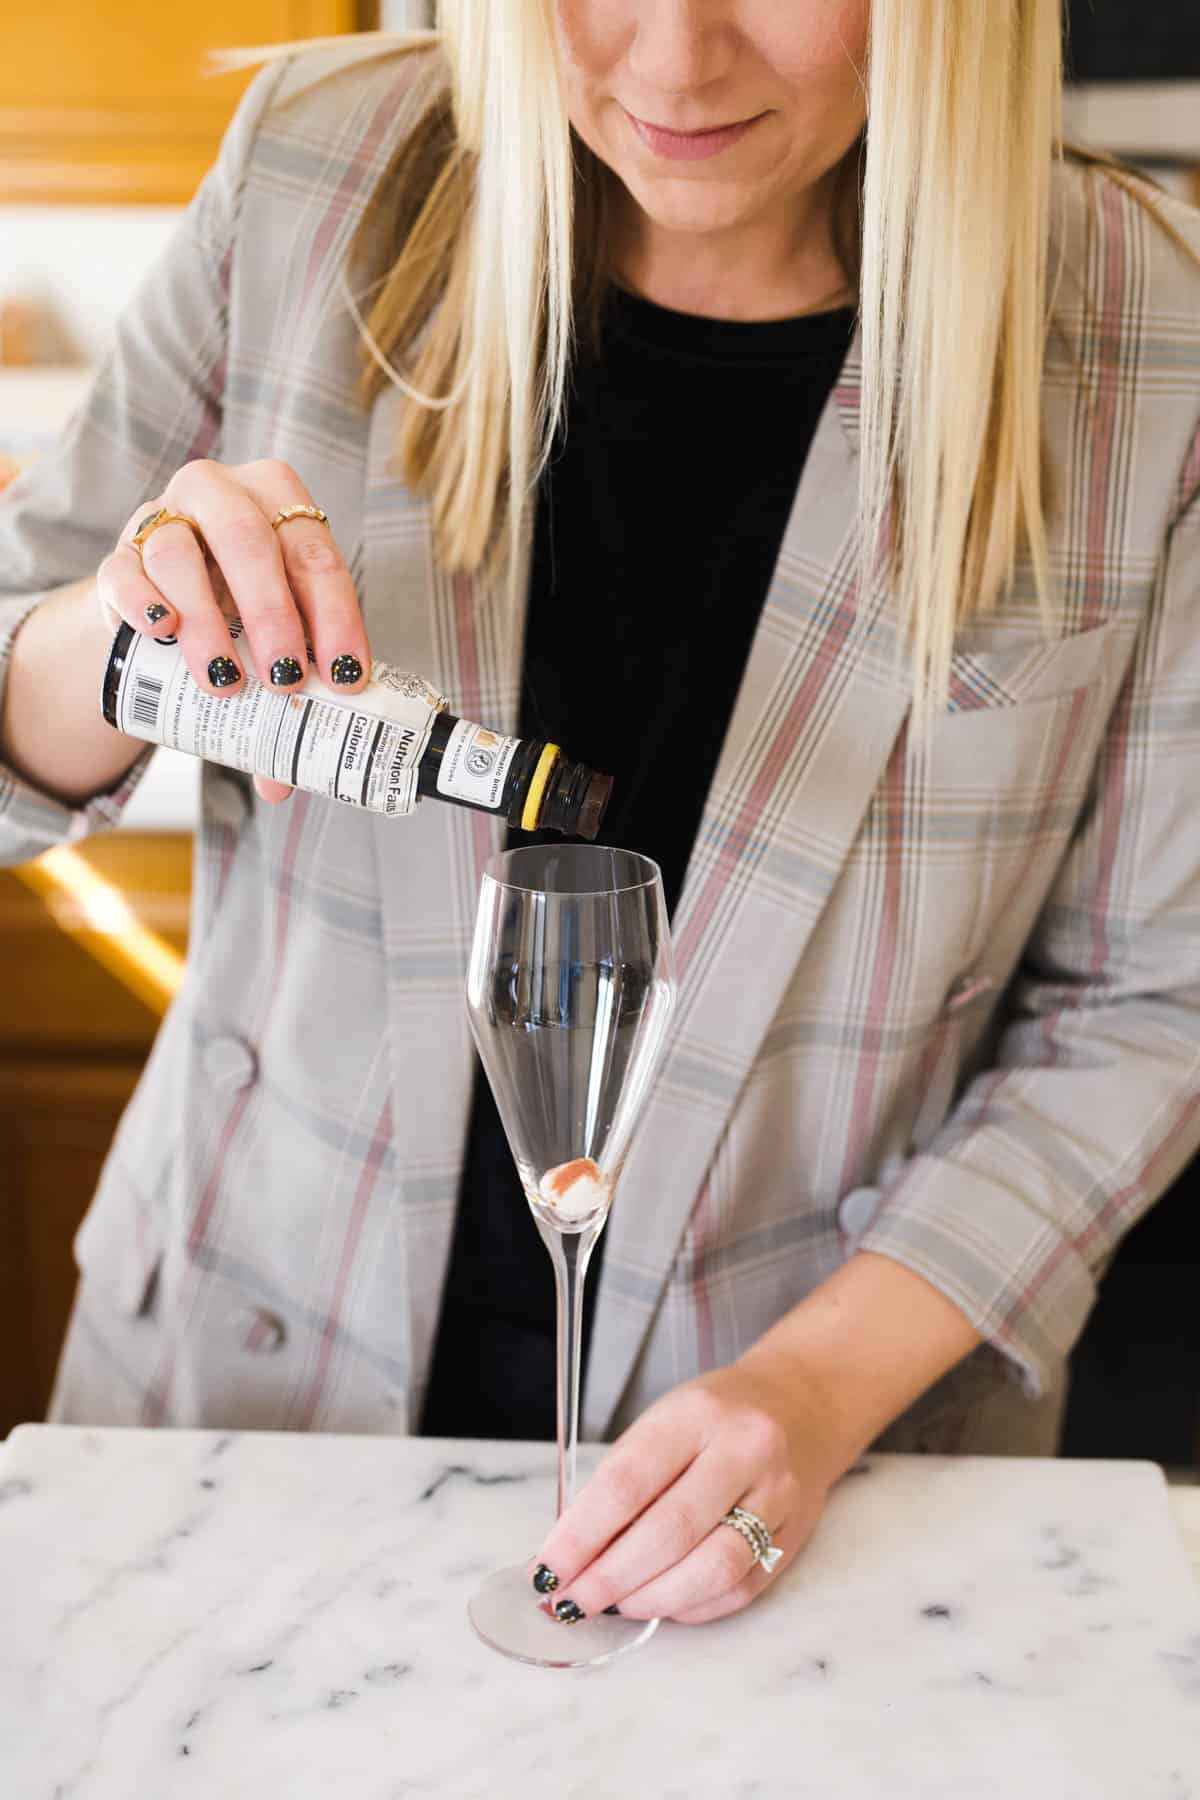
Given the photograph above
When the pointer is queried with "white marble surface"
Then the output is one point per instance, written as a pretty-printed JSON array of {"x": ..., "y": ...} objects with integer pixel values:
[
  {"x": 191, "y": 1614},
  {"x": 1185, "y": 1509}
]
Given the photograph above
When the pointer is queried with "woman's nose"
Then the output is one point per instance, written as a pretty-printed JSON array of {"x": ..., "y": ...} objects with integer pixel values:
[{"x": 680, "y": 47}]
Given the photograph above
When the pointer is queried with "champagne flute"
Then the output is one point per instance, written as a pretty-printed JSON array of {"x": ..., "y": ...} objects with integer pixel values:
[{"x": 570, "y": 988}]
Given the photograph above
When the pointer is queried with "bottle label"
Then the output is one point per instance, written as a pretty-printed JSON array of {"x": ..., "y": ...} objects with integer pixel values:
[
  {"x": 475, "y": 765},
  {"x": 365, "y": 752}
]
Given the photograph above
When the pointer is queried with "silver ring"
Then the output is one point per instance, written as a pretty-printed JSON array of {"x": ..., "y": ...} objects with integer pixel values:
[{"x": 757, "y": 1535}]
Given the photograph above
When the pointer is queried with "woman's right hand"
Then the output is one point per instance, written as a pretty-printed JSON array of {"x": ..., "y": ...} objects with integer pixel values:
[{"x": 290, "y": 586}]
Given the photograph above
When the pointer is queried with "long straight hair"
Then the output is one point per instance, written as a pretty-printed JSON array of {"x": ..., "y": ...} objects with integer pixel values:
[{"x": 497, "y": 218}]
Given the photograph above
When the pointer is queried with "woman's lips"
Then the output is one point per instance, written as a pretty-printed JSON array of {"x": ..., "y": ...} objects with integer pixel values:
[{"x": 690, "y": 146}]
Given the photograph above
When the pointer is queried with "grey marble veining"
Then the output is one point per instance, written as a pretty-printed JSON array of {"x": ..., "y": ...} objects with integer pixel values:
[{"x": 272, "y": 1615}]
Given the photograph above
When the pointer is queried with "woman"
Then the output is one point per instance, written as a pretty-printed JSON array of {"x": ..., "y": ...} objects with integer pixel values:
[{"x": 873, "y": 594}]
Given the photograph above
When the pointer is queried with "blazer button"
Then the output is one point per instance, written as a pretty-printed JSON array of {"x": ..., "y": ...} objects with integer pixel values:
[
  {"x": 857, "y": 1209},
  {"x": 262, "y": 1332},
  {"x": 229, "y": 1063},
  {"x": 965, "y": 989}
]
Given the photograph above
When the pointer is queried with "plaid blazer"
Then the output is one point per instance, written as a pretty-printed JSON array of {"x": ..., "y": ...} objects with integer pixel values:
[{"x": 950, "y": 1015}]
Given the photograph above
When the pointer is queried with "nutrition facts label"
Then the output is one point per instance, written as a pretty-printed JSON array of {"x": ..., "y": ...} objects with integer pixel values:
[{"x": 364, "y": 754}]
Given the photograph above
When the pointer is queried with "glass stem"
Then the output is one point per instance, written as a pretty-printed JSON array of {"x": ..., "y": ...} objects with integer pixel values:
[{"x": 569, "y": 1252}]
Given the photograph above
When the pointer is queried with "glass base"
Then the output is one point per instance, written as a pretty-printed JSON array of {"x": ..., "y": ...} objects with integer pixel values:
[{"x": 506, "y": 1614}]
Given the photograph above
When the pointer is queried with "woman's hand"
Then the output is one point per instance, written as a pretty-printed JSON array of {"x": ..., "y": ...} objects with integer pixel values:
[
  {"x": 290, "y": 586},
  {"x": 645, "y": 1533}
]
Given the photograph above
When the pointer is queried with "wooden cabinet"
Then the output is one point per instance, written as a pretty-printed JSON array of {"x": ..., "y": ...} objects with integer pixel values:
[
  {"x": 111, "y": 104},
  {"x": 73, "y": 1038}
]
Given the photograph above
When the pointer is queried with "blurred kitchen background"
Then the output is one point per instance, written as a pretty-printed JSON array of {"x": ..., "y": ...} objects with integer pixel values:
[{"x": 105, "y": 129}]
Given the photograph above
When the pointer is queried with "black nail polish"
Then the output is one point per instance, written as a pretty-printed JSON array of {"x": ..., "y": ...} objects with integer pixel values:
[
  {"x": 346, "y": 670},
  {"x": 612, "y": 1612},
  {"x": 223, "y": 671},
  {"x": 157, "y": 611},
  {"x": 286, "y": 672},
  {"x": 567, "y": 1613},
  {"x": 544, "y": 1579}
]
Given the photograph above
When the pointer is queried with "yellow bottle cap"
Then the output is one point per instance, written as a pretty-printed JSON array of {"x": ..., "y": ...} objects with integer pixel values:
[{"x": 536, "y": 793}]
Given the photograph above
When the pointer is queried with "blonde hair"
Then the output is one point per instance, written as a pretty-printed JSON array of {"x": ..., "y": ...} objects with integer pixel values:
[{"x": 497, "y": 219}]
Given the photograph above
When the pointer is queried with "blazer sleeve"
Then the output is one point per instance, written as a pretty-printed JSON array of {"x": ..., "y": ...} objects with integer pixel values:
[
  {"x": 1092, "y": 1104},
  {"x": 155, "y": 404}
]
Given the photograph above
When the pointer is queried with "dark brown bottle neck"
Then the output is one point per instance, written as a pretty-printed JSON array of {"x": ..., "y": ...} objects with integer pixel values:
[{"x": 573, "y": 802}]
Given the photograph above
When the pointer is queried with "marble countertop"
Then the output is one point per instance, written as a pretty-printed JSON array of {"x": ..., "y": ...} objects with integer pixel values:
[
  {"x": 1185, "y": 1510},
  {"x": 194, "y": 1614}
]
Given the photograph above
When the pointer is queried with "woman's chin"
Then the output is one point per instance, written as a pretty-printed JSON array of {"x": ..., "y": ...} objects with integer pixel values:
[{"x": 685, "y": 209}]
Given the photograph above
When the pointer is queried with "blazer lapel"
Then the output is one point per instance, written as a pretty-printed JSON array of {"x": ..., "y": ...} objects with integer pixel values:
[
  {"x": 818, "y": 712},
  {"x": 453, "y": 631}
]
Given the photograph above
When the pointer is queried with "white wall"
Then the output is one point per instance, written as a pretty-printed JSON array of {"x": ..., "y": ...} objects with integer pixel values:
[
  {"x": 84, "y": 261},
  {"x": 405, "y": 15}
]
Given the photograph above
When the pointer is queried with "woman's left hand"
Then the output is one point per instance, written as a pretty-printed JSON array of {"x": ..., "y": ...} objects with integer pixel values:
[{"x": 645, "y": 1535}]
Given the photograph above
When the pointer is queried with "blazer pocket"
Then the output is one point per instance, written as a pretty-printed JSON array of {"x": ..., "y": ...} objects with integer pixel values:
[{"x": 991, "y": 668}]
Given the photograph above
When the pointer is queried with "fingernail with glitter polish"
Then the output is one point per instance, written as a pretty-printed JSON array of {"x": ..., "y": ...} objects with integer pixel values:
[
  {"x": 544, "y": 1579},
  {"x": 567, "y": 1613},
  {"x": 157, "y": 611},
  {"x": 286, "y": 672},
  {"x": 346, "y": 670},
  {"x": 223, "y": 671}
]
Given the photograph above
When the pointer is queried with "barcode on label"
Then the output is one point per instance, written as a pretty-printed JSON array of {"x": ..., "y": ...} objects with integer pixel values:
[{"x": 147, "y": 694}]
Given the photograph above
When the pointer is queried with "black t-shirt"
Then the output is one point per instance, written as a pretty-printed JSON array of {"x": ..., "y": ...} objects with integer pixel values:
[{"x": 658, "y": 525}]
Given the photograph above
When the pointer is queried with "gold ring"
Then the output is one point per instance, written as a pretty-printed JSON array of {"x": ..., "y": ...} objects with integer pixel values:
[
  {"x": 164, "y": 516},
  {"x": 299, "y": 512}
]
